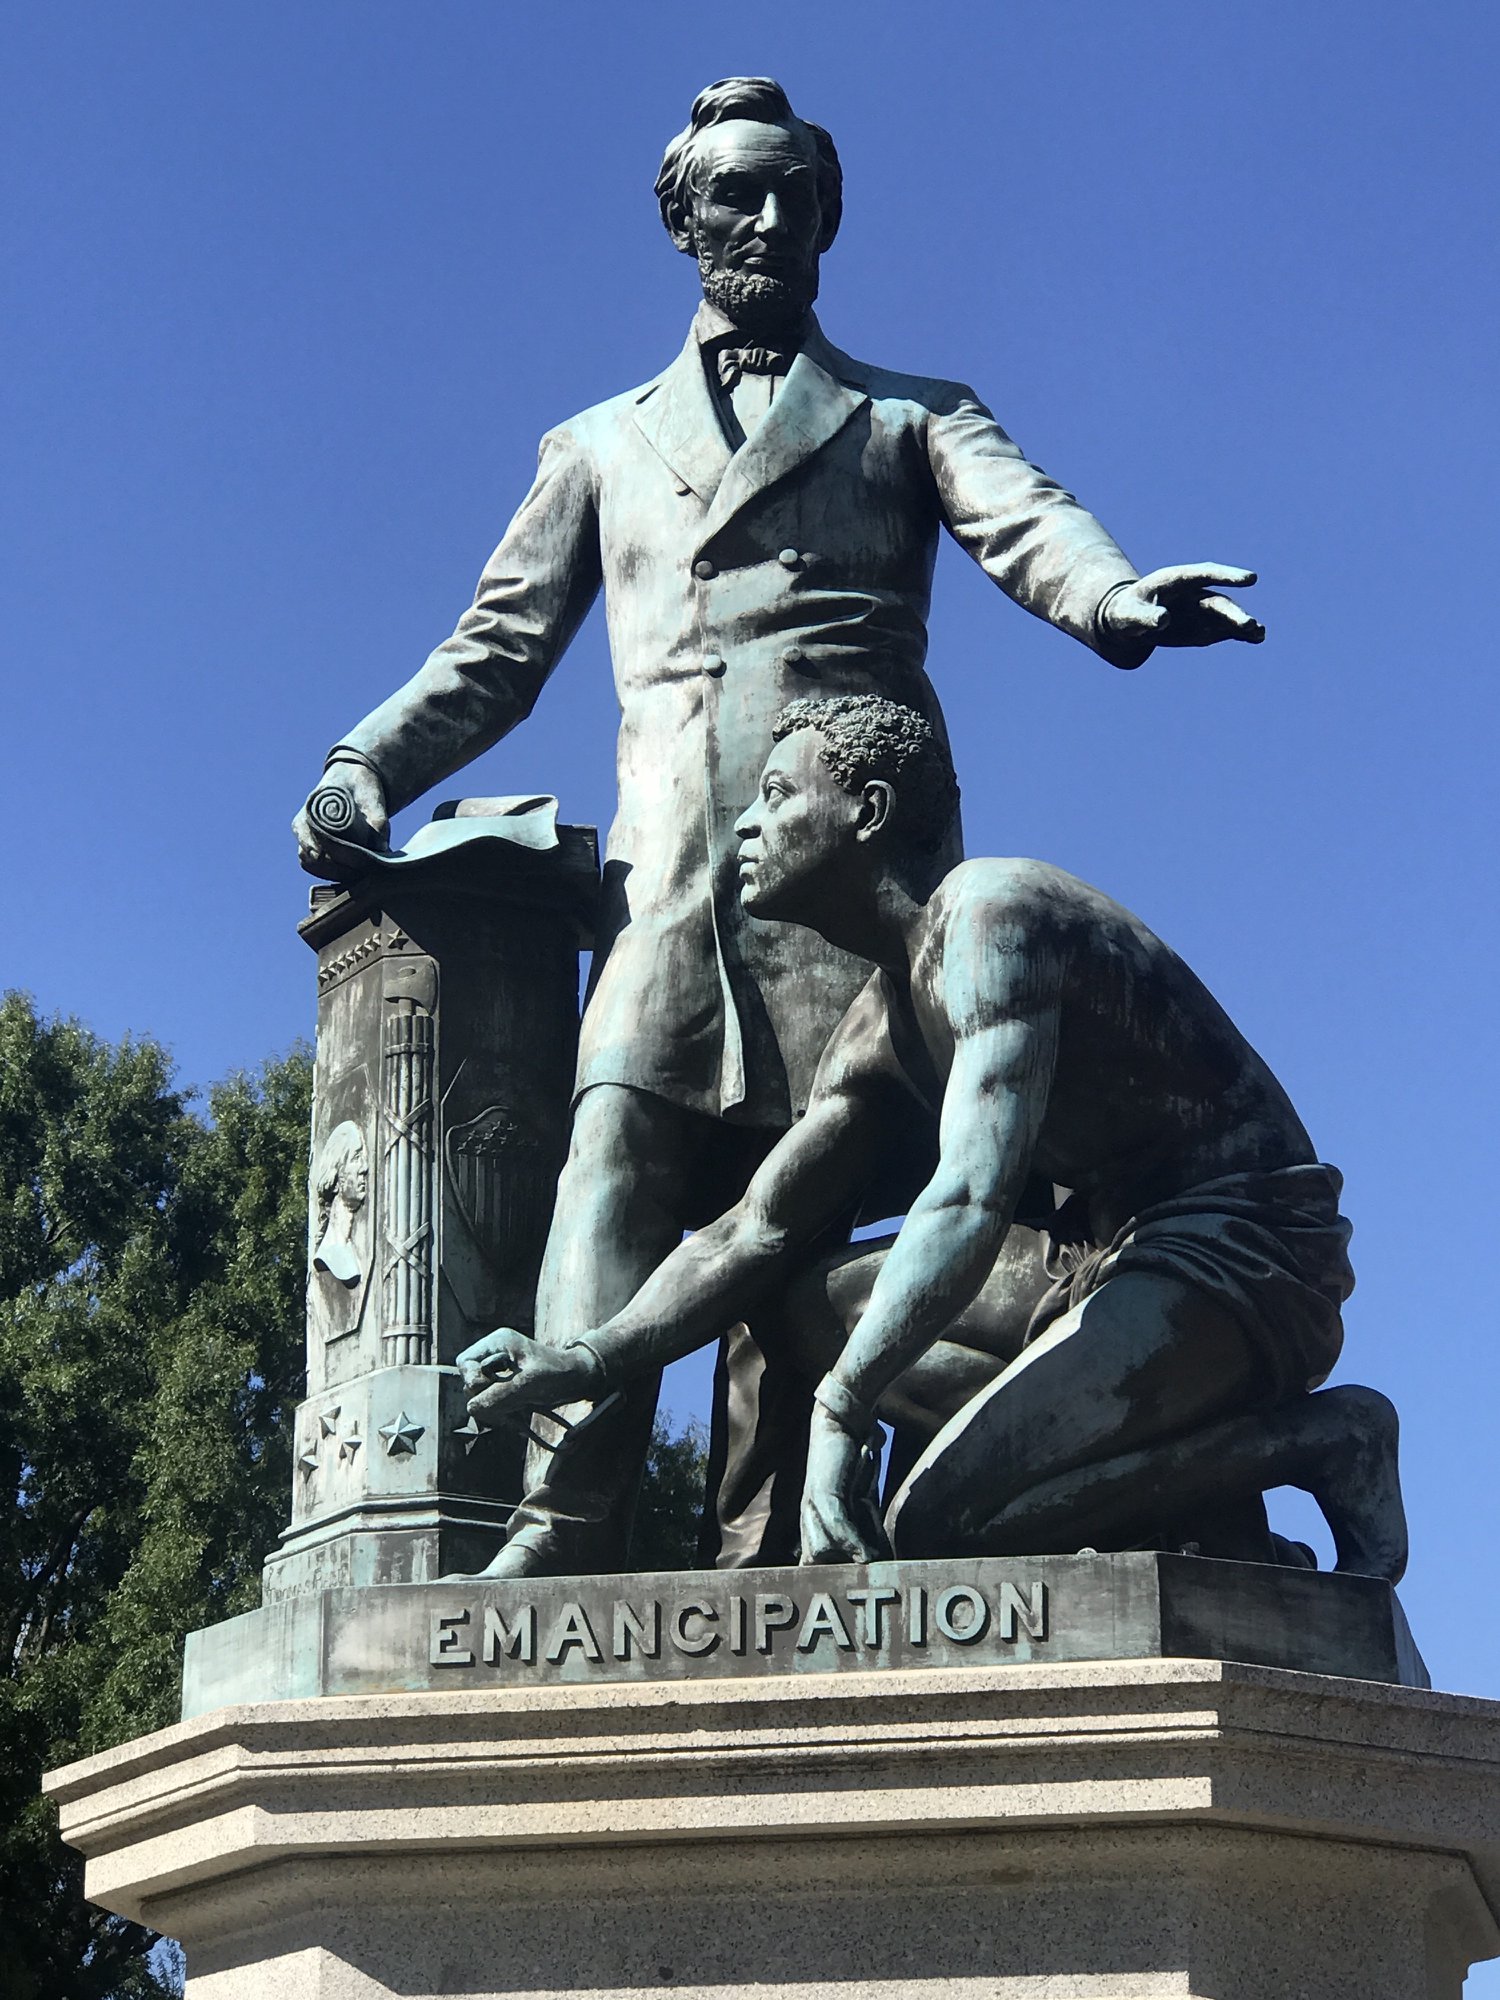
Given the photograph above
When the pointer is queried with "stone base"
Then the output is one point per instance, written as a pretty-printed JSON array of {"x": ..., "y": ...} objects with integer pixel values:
[
  {"x": 414, "y": 1638},
  {"x": 1058, "y": 1832},
  {"x": 383, "y": 1491}
]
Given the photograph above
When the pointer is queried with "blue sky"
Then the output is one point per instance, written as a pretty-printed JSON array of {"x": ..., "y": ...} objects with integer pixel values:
[{"x": 293, "y": 291}]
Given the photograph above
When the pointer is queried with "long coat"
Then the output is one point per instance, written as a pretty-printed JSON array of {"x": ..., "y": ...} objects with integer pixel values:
[{"x": 733, "y": 582}]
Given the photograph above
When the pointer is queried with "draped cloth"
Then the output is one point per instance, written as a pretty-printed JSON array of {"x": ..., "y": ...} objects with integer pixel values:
[{"x": 1271, "y": 1248}]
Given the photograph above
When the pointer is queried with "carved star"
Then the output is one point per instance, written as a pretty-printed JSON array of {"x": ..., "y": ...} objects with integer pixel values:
[
  {"x": 470, "y": 1432},
  {"x": 350, "y": 1445},
  {"x": 308, "y": 1462},
  {"x": 328, "y": 1421},
  {"x": 401, "y": 1436}
]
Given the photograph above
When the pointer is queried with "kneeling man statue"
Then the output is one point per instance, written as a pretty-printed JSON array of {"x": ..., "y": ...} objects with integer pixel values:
[{"x": 1138, "y": 1373}]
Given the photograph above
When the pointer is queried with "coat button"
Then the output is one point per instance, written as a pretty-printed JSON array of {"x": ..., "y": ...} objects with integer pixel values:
[
  {"x": 703, "y": 569},
  {"x": 789, "y": 559},
  {"x": 795, "y": 657},
  {"x": 682, "y": 490},
  {"x": 713, "y": 664}
]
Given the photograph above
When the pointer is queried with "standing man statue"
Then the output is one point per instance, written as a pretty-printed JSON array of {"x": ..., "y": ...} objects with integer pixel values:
[{"x": 763, "y": 519}]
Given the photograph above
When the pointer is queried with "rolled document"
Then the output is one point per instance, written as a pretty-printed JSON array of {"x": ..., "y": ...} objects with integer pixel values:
[
  {"x": 332, "y": 810},
  {"x": 351, "y": 848},
  {"x": 347, "y": 841}
]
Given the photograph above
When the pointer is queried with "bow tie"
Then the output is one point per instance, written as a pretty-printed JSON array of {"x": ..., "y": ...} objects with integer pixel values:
[{"x": 733, "y": 362}]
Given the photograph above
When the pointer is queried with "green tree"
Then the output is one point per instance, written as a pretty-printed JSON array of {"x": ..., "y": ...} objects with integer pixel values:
[
  {"x": 665, "y": 1534},
  {"x": 151, "y": 1280}
]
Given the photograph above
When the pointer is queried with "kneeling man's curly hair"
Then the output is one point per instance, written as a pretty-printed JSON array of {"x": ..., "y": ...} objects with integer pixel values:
[{"x": 864, "y": 736}]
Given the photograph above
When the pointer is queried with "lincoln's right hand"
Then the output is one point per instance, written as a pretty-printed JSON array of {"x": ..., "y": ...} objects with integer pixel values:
[
  {"x": 507, "y": 1374},
  {"x": 366, "y": 823}
]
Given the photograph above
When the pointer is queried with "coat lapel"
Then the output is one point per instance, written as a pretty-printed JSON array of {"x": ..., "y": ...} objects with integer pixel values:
[
  {"x": 679, "y": 421},
  {"x": 811, "y": 406}
]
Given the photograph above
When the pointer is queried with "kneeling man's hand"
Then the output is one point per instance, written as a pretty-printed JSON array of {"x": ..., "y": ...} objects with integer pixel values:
[
  {"x": 840, "y": 1517},
  {"x": 507, "y": 1374}
]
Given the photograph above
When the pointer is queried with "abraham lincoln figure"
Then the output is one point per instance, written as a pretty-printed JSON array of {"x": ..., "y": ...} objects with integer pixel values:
[{"x": 763, "y": 519}]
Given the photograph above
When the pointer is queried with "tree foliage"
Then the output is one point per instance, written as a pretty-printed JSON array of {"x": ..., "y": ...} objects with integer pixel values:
[
  {"x": 151, "y": 1281},
  {"x": 665, "y": 1534}
]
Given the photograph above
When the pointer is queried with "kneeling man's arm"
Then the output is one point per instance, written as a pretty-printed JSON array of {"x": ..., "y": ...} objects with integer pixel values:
[
  {"x": 993, "y": 1107},
  {"x": 1000, "y": 996},
  {"x": 814, "y": 1172}
]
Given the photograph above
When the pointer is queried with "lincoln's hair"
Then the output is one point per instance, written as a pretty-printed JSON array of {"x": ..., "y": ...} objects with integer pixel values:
[
  {"x": 763, "y": 102},
  {"x": 864, "y": 736}
]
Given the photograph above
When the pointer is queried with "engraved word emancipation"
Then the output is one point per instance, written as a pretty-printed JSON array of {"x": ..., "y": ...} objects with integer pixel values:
[{"x": 871, "y": 1620}]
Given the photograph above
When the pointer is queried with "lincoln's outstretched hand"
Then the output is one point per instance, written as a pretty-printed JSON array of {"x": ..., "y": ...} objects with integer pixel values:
[{"x": 1184, "y": 606}]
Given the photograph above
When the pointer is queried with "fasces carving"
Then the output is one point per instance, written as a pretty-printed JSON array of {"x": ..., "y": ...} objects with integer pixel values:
[{"x": 407, "y": 1110}]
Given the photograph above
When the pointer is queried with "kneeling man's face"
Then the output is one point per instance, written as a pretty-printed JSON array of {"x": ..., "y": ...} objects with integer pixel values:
[{"x": 796, "y": 834}]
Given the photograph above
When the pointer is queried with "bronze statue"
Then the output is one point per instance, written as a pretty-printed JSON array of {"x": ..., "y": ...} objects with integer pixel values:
[
  {"x": 1197, "y": 1260},
  {"x": 763, "y": 519}
]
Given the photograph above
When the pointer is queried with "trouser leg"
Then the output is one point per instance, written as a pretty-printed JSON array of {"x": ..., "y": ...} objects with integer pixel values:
[
  {"x": 757, "y": 1454},
  {"x": 619, "y": 1211},
  {"x": 763, "y": 1390},
  {"x": 764, "y": 1384}
]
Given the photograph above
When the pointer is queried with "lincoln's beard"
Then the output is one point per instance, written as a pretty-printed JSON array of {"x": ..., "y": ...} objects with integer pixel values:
[{"x": 759, "y": 304}]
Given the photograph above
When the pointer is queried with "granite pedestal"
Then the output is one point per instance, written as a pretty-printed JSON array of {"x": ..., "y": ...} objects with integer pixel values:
[{"x": 1130, "y": 1828}]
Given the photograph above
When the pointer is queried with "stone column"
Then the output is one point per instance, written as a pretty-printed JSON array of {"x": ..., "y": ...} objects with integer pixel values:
[
  {"x": 1108, "y": 1831},
  {"x": 447, "y": 1038}
]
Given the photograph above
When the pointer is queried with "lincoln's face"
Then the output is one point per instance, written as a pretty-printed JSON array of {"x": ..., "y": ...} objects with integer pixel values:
[
  {"x": 799, "y": 834},
  {"x": 354, "y": 1180},
  {"x": 756, "y": 220}
]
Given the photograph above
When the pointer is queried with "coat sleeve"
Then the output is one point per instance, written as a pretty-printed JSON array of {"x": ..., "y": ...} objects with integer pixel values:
[
  {"x": 1022, "y": 528},
  {"x": 531, "y": 599}
]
